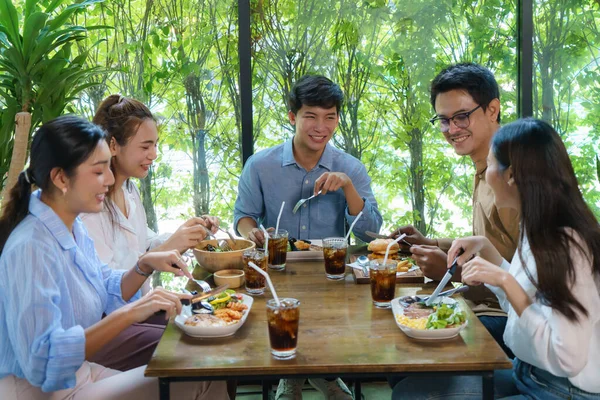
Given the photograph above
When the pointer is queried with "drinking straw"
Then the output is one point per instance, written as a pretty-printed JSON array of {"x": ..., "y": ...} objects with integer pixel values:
[
  {"x": 266, "y": 240},
  {"x": 279, "y": 217},
  {"x": 390, "y": 245},
  {"x": 268, "y": 278},
  {"x": 352, "y": 226}
]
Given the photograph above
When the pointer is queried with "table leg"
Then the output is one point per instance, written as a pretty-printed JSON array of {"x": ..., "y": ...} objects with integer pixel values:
[
  {"x": 266, "y": 388},
  {"x": 357, "y": 390},
  {"x": 164, "y": 392},
  {"x": 488, "y": 385}
]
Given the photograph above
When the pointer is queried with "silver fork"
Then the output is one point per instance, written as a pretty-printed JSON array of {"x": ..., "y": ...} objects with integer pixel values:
[{"x": 302, "y": 201}]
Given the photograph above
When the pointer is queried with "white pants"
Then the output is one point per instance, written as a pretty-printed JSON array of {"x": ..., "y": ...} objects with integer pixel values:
[{"x": 95, "y": 382}]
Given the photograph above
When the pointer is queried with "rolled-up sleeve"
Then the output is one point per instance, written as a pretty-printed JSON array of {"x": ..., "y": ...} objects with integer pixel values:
[
  {"x": 47, "y": 353},
  {"x": 112, "y": 282},
  {"x": 371, "y": 219},
  {"x": 250, "y": 198}
]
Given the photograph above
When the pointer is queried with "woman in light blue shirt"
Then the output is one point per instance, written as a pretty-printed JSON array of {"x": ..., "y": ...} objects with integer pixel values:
[{"x": 54, "y": 288}]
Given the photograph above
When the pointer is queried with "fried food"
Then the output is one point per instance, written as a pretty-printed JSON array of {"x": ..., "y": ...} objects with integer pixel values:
[
  {"x": 302, "y": 245},
  {"x": 237, "y": 306},
  {"x": 228, "y": 315},
  {"x": 404, "y": 265}
]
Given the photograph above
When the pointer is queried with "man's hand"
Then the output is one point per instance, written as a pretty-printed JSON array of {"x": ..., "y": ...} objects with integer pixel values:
[
  {"x": 413, "y": 236},
  {"x": 331, "y": 181},
  {"x": 431, "y": 260},
  {"x": 258, "y": 237}
]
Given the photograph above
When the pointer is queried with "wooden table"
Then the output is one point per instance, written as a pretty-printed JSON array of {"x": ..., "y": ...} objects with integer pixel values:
[{"x": 341, "y": 334}]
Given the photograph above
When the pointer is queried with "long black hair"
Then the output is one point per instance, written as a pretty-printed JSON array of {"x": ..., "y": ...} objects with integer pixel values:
[
  {"x": 550, "y": 202},
  {"x": 65, "y": 142}
]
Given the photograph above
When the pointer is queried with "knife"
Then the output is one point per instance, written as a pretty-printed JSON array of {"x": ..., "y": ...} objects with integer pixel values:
[
  {"x": 444, "y": 280},
  {"x": 379, "y": 236}
]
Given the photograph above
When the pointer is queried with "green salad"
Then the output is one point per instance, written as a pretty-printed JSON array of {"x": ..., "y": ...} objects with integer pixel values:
[{"x": 444, "y": 316}]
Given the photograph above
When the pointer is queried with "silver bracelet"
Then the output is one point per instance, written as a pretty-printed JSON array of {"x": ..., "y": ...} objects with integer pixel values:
[{"x": 139, "y": 270}]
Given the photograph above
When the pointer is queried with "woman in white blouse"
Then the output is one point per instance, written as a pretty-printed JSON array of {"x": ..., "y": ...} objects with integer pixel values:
[
  {"x": 551, "y": 291},
  {"x": 120, "y": 232}
]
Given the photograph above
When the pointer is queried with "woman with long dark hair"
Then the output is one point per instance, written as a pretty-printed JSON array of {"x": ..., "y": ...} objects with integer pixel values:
[
  {"x": 551, "y": 290},
  {"x": 54, "y": 289},
  {"x": 120, "y": 231}
]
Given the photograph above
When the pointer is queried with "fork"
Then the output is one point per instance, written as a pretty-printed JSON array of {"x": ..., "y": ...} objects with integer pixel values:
[{"x": 302, "y": 201}]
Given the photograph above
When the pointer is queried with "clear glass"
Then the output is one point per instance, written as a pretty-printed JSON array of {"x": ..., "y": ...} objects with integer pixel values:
[
  {"x": 334, "y": 253},
  {"x": 283, "y": 324},
  {"x": 255, "y": 282},
  {"x": 383, "y": 282},
  {"x": 278, "y": 243}
]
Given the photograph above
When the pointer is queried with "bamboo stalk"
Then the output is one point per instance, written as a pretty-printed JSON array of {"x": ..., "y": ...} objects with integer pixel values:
[{"x": 19, "y": 154}]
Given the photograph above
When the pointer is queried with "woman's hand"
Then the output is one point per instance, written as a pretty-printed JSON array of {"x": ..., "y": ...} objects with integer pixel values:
[
  {"x": 165, "y": 261},
  {"x": 212, "y": 223},
  {"x": 478, "y": 271},
  {"x": 192, "y": 232},
  {"x": 469, "y": 245},
  {"x": 157, "y": 300}
]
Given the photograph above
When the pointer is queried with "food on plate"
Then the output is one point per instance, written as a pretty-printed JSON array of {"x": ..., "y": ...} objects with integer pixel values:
[
  {"x": 404, "y": 265},
  {"x": 229, "y": 307},
  {"x": 302, "y": 245},
  {"x": 205, "y": 320},
  {"x": 378, "y": 248},
  {"x": 439, "y": 316}
]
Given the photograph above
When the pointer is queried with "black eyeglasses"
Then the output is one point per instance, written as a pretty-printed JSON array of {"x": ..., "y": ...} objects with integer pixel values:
[{"x": 460, "y": 120}]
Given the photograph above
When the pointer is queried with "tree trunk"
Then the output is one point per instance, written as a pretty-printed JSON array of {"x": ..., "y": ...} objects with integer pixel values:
[
  {"x": 415, "y": 147},
  {"x": 19, "y": 152},
  {"x": 148, "y": 202},
  {"x": 201, "y": 179}
]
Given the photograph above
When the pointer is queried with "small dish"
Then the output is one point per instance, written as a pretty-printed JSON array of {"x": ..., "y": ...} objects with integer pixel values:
[
  {"x": 212, "y": 331},
  {"x": 427, "y": 334},
  {"x": 233, "y": 277}
]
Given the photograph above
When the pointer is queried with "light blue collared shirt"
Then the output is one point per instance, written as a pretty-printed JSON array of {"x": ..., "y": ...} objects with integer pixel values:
[
  {"x": 53, "y": 287},
  {"x": 272, "y": 176}
]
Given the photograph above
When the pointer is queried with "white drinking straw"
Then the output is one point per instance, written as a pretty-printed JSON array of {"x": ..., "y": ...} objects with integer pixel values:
[
  {"x": 266, "y": 240},
  {"x": 279, "y": 217},
  {"x": 268, "y": 278},
  {"x": 390, "y": 245},
  {"x": 352, "y": 226}
]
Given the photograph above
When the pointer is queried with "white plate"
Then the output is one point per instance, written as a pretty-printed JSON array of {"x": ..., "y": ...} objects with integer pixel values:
[
  {"x": 307, "y": 255},
  {"x": 428, "y": 334},
  {"x": 212, "y": 331}
]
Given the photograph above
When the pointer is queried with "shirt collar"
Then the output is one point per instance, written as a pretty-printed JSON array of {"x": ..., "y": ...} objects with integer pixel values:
[
  {"x": 326, "y": 160},
  {"x": 53, "y": 223}
]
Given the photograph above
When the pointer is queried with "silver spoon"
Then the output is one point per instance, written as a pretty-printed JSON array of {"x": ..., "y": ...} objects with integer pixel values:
[
  {"x": 302, "y": 201},
  {"x": 363, "y": 261}
]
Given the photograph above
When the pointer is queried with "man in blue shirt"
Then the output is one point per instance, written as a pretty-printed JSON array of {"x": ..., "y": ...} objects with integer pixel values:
[{"x": 303, "y": 166}]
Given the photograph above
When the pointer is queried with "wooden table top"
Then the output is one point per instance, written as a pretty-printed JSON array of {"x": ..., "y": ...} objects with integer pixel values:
[{"x": 340, "y": 331}]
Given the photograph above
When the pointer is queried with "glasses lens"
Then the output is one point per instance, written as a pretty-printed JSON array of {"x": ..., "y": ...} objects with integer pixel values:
[
  {"x": 461, "y": 120},
  {"x": 444, "y": 124}
]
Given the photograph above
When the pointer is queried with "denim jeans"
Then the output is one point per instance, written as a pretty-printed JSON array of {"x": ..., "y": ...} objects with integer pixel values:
[
  {"x": 496, "y": 326},
  {"x": 524, "y": 381}
]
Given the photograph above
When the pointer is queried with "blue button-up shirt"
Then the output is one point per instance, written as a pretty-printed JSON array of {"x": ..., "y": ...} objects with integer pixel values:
[
  {"x": 53, "y": 287},
  {"x": 273, "y": 175}
]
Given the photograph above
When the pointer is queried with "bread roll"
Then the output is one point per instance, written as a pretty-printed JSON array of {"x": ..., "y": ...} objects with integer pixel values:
[{"x": 380, "y": 246}]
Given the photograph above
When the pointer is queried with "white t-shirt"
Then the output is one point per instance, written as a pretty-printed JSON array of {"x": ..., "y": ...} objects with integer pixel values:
[
  {"x": 121, "y": 245},
  {"x": 544, "y": 337}
]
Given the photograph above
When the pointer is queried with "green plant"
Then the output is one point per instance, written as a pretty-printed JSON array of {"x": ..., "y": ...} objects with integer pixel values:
[{"x": 37, "y": 72}]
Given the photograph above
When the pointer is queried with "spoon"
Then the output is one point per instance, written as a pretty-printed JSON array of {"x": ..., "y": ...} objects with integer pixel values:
[
  {"x": 363, "y": 261},
  {"x": 302, "y": 201},
  {"x": 406, "y": 300}
]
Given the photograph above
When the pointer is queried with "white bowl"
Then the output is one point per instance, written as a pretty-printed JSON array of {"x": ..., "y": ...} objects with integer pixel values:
[
  {"x": 428, "y": 334},
  {"x": 212, "y": 331}
]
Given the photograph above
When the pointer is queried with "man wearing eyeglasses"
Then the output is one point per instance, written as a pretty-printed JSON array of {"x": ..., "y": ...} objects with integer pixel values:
[{"x": 466, "y": 100}]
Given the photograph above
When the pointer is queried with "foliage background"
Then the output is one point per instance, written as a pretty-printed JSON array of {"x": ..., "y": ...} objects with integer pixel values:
[{"x": 180, "y": 58}]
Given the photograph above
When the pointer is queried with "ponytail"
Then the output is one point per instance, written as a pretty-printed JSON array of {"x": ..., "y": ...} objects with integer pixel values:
[{"x": 17, "y": 207}]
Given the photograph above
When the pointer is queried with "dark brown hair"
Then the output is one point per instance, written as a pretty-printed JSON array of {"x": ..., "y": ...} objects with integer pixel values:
[
  {"x": 65, "y": 142},
  {"x": 121, "y": 118},
  {"x": 551, "y": 203}
]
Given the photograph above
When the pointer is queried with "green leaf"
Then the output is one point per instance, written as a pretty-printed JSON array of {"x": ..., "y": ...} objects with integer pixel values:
[{"x": 10, "y": 21}]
